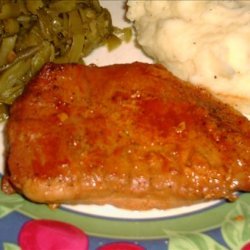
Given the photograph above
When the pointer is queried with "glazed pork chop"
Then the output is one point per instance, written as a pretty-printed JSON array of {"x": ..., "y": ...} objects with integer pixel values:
[{"x": 130, "y": 135}]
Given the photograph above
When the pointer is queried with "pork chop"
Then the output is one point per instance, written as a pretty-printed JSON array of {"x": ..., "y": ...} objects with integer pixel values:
[{"x": 130, "y": 135}]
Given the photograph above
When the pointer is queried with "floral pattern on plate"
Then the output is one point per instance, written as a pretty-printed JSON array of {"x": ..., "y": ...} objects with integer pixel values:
[{"x": 233, "y": 232}]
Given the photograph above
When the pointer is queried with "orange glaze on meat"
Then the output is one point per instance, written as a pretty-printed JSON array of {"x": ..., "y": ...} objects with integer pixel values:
[{"x": 130, "y": 135}]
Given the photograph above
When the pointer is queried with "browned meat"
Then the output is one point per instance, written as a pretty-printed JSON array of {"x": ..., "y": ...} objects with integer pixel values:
[{"x": 129, "y": 135}]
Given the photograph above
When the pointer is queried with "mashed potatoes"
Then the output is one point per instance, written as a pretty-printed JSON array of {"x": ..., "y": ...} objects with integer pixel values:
[{"x": 204, "y": 42}]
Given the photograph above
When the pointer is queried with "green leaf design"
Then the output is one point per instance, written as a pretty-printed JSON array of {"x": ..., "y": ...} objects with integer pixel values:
[
  {"x": 10, "y": 246},
  {"x": 9, "y": 203},
  {"x": 193, "y": 241},
  {"x": 10, "y": 199},
  {"x": 4, "y": 211},
  {"x": 236, "y": 227}
]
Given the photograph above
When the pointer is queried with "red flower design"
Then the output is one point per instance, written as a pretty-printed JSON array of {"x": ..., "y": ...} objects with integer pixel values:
[
  {"x": 121, "y": 246},
  {"x": 51, "y": 235},
  {"x": 246, "y": 247}
]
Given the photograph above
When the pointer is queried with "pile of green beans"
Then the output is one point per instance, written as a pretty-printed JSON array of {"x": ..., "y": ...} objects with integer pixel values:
[{"x": 33, "y": 32}]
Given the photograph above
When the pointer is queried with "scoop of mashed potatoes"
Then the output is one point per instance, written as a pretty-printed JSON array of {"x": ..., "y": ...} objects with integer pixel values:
[{"x": 204, "y": 42}]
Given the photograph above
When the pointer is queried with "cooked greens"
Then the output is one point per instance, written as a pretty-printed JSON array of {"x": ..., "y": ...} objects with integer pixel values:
[{"x": 33, "y": 32}]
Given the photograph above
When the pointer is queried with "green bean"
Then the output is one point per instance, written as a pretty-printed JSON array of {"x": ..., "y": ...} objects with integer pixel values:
[
  {"x": 34, "y": 6},
  {"x": 34, "y": 32},
  {"x": 21, "y": 56},
  {"x": 9, "y": 10},
  {"x": 11, "y": 26},
  {"x": 63, "y": 6},
  {"x": 75, "y": 50},
  {"x": 12, "y": 81},
  {"x": 7, "y": 46},
  {"x": 113, "y": 42},
  {"x": 44, "y": 54}
]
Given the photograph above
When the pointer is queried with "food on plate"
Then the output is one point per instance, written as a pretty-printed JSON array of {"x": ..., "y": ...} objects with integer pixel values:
[
  {"x": 36, "y": 32},
  {"x": 203, "y": 42},
  {"x": 130, "y": 135}
]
